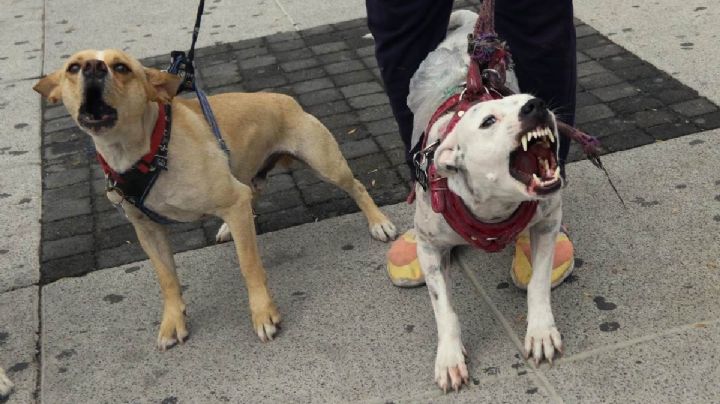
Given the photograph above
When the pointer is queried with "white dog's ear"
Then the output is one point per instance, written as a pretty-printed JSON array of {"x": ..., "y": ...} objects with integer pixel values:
[
  {"x": 49, "y": 86},
  {"x": 161, "y": 86}
]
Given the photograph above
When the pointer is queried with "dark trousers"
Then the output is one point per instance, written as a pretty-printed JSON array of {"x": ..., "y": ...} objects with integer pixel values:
[{"x": 541, "y": 35}]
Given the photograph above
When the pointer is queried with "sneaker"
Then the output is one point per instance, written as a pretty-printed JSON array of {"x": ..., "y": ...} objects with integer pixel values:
[
  {"x": 563, "y": 263},
  {"x": 403, "y": 266}
]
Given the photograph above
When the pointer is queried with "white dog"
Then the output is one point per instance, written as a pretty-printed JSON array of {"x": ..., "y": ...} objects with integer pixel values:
[
  {"x": 5, "y": 384},
  {"x": 499, "y": 158}
]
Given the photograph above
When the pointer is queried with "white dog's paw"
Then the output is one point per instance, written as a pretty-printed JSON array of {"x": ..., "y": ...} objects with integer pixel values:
[
  {"x": 450, "y": 368},
  {"x": 383, "y": 231},
  {"x": 6, "y": 385},
  {"x": 542, "y": 342},
  {"x": 223, "y": 234}
]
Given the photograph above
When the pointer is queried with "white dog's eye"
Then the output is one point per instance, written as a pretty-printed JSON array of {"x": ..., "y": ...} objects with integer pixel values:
[
  {"x": 488, "y": 121},
  {"x": 121, "y": 68}
]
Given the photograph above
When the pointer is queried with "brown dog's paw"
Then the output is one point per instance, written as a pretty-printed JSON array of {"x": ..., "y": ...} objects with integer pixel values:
[
  {"x": 223, "y": 234},
  {"x": 266, "y": 322},
  {"x": 383, "y": 230},
  {"x": 172, "y": 329}
]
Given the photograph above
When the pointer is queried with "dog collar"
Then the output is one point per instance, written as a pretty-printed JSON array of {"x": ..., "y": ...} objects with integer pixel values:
[
  {"x": 134, "y": 184},
  {"x": 491, "y": 237}
]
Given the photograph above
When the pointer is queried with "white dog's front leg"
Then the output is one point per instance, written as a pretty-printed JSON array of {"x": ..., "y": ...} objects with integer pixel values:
[
  {"x": 542, "y": 338},
  {"x": 450, "y": 359}
]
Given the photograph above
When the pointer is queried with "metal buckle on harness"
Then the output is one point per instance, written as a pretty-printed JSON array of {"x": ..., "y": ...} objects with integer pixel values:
[{"x": 422, "y": 160}]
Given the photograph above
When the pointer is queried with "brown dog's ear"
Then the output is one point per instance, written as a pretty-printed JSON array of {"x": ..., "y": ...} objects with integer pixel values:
[
  {"x": 49, "y": 86},
  {"x": 162, "y": 86}
]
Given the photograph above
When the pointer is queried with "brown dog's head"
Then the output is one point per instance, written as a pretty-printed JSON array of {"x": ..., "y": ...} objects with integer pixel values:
[{"x": 106, "y": 89}]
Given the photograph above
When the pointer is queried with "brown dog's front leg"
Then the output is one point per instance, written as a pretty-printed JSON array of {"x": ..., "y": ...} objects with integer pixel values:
[
  {"x": 153, "y": 239},
  {"x": 239, "y": 218}
]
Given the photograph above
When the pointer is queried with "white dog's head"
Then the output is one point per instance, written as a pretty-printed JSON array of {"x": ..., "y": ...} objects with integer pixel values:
[{"x": 504, "y": 150}]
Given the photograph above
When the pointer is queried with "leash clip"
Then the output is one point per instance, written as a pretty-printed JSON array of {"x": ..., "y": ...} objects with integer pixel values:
[{"x": 422, "y": 160}]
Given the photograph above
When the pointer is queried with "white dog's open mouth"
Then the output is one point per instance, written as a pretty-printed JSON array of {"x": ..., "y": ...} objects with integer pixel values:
[{"x": 534, "y": 161}]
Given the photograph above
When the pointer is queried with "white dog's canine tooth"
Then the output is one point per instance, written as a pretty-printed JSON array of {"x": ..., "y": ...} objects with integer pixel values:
[
  {"x": 524, "y": 141},
  {"x": 551, "y": 136},
  {"x": 556, "y": 175}
]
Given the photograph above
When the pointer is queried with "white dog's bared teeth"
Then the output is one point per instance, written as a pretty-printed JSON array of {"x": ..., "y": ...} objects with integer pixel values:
[
  {"x": 551, "y": 136},
  {"x": 556, "y": 175},
  {"x": 524, "y": 141}
]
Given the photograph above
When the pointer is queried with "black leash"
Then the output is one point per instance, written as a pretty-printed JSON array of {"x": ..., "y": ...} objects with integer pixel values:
[{"x": 183, "y": 65}]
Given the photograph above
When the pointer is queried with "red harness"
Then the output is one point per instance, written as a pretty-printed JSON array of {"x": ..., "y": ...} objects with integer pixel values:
[
  {"x": 491, "y": 237},
  {"x": 145, "y": 163}
]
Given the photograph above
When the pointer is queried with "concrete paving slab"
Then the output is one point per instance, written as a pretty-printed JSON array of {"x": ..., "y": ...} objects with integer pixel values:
[
  {"x": 18, "y": 342},
  {"x": 347, "y": 333},
  {"x": 640, "y": 271},
  {"x": 20, "y": 129},
  {"x": 679, "y": 37},
  {"x": 149, "y": 31},
  {"x": 20, "y": 207},
  {"x": 308, "y": 14},
  {"x": 677, "y": 368},
  {"x": 21, "y": 30}
]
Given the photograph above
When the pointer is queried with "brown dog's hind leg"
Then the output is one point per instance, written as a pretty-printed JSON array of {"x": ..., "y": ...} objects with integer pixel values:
[
  {"x": 321, "y": 152},
  {"x": 153, "y": 239},
  {"x": 239, "y": 219}
]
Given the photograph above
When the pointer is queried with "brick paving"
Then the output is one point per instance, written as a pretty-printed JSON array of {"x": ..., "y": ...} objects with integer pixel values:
[{"x": 331, "y": 71}]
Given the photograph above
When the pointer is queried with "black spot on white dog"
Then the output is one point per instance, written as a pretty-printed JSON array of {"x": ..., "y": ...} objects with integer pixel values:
[
  {"x": 62, "y": 369},
  {"x": 572, "y": 278},
  {"x": 112, "y": 298},
  {"x": 3, "y": 337},
  {"x": 579, "y": 262},
  {"x": 700, "y": 8},
  {"x": 3, "y": 251},
  {"x": 680, "y": 186},
  {"x": 169, "y": 400},
  {"x": 20, "y": 125},
  {"x": 609, "y": 326},
  {"x": 531, "y": 391},
  {"x": 502, "y": 285},
  {"x": 4, "y": 195},
  {"x": 17, "y": 152},
  {"x": 602, "y": 304},
  {"x": 348, "y": 247},
  {"x": 132, "y": 269},
  {"x": 696, "y": 142},
  {"x": 716, "y": 218},
  {"x": 409, "y": 328}
]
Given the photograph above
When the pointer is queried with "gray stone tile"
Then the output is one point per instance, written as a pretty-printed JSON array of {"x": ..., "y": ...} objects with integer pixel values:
[
  {"x": 18, "y": 338},
  {"x": 321, "y": 275},
  {"x": 678, "y": 367},
  {"x": 655, "y": 283}
]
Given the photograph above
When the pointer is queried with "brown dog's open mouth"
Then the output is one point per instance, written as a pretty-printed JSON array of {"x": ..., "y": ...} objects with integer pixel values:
[
  {"x": 94, "y": 113},
  {"x": 534, "y": 161}
]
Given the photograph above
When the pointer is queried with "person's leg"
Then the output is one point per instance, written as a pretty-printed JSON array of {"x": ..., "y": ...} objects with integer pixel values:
[
  {"x": 405, "y": 32},
  {"x": 541, "y": 36}
]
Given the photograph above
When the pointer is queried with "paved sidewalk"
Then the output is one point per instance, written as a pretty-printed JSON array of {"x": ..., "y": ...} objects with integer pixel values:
[{"x": 639, "y": 316}]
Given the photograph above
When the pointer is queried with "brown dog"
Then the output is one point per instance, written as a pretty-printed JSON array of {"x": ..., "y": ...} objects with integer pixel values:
[{"x": 116, "y": 100}]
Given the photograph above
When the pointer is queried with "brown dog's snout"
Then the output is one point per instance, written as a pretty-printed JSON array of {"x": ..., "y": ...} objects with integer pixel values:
[{"x": 94, "y": 69}]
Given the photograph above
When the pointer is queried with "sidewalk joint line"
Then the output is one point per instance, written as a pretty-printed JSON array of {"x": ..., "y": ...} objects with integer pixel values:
[
  {"x": 634, "y": 341},
  {"x": 294, "y": 24},
  {"x": 543, "y": 381}
]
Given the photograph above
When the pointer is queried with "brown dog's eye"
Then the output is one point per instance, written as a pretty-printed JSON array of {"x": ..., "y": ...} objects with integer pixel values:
[
  {"x": 121, "y": 68},
  {"x": 488, "y": 122},
  {"x": 73, "y": 68}
]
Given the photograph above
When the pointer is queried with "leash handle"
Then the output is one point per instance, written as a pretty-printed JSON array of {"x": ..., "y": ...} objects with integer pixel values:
[{"x": 196, "y": 32}]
